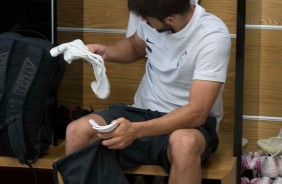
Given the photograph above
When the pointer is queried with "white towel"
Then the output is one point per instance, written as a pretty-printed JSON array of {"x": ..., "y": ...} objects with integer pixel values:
[{"x": 77, "y": 50}]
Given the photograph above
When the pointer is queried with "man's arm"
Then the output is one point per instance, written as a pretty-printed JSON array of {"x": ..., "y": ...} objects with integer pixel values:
[
  {"x": 202, "y": 97},
  {"x": 124, "y": 51}
]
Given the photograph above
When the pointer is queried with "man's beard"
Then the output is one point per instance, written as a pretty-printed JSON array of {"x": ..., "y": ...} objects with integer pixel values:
[{"x": 169, "y": 29}]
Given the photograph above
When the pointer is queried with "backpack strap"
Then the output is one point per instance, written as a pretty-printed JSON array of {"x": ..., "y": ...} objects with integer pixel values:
[
  {"x": 16, "y": 101},
  {"x": 5, "y": 50}
]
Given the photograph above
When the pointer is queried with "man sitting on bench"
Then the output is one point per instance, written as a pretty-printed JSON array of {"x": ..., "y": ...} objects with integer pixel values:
[{"x": 178, "y": 106}]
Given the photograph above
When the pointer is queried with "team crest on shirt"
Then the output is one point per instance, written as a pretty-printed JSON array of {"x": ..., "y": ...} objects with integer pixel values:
[{"x": 181, "y": 58}]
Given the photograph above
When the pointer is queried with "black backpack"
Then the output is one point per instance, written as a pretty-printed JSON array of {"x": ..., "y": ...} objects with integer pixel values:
[{"x": 29, "y": 83}]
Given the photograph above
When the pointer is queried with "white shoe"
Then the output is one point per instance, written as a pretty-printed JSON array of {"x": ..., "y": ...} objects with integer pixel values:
[
  {"x": 269, "y": 167},
  {"x": 244, "y": 142},
  {"x": 277, "y": 180},
  {"x": 272, "y": 145},
  {"x": 262, "y": 180}
]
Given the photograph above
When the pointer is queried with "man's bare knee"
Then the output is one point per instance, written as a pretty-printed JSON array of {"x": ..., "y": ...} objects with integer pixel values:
[
  {"x": 186, "y": 142},
  {"x": 80, "y": 133}
]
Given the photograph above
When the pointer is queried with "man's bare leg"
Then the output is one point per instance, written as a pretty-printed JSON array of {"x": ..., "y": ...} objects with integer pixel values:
[
  {"x": 185, "y": 149},
  {"x": 80, "y": 133}
]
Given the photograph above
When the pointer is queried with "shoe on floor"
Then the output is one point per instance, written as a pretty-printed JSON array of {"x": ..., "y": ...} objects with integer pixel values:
[
  {"x": 244, "y": 142},
  {"x": 245, "y": 180},
  {"x": 246, "y": 160},
  {"x": 277, "y": 180},
  {"x": 269, "y": 167},
  {"x": 255, "y": 181},
  {"x": 272, "y": 145},
  {"x": 262, "y": 180}
]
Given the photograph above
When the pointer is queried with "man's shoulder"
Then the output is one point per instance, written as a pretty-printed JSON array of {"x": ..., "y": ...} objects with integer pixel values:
[{"x": 212, "y": 22}]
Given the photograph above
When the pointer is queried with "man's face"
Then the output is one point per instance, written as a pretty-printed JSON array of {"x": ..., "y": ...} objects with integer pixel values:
[{"x": 158, "y": 25}]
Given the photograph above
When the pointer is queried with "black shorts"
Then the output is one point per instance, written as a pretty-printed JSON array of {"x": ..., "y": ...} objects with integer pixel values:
[{"x": 153, "y": 150}]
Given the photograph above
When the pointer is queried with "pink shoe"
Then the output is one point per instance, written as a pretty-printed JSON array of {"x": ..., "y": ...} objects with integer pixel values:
[
  {"x": 255, "y": 181},
  {"x": 245, "y": 180},
  {"x": 246, "y": 160},
  {"x": 264, "y": 180},
  {"x": 257, "y": 162}
]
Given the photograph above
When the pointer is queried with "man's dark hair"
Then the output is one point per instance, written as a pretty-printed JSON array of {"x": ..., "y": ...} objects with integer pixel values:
[{"x": 159, "y": 9}]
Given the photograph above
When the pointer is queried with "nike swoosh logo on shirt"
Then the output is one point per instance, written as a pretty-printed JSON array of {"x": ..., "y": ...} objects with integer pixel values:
[{"x": 147, "y": 40}]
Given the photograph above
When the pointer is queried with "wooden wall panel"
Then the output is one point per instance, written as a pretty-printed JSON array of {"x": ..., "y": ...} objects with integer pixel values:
[
  {"x": 271, "y": 12},
  {"x": 227, "y": 123},
  {"x": 109, "y": 14},
  {"x": 250, "y": 132},
  {"x": 268, "y": 129},
  {"x": 70, "y": 13},
  {"x": 252, "y": 72},
  {"x": 71, "y": 88},
  {"x": 124, "y": 80},
  {"x": 103, "y": 38},
  {"x": 224, "y": 9},
  {"x": 270, "y": 73},
  {"x": 260, "y": 12},
  {"x": 64, "y": 37},
  {"x": 253, "y": 12}
]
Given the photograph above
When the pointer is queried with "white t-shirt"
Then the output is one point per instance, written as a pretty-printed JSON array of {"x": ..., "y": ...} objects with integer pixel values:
[{"x": 200, "y": 51}]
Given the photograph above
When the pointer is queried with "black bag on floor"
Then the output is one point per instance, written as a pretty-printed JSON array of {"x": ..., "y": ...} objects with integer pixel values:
[{"x": 29, "y": 82}]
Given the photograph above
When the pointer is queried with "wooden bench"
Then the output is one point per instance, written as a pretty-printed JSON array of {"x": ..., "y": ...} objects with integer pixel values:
[{"x": 221, "y": 166}]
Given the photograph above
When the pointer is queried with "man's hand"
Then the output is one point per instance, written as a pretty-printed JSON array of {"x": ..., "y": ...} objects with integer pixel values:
[
  {"x": 121, "y": 137},
  {"x": 97, "y": 49}
]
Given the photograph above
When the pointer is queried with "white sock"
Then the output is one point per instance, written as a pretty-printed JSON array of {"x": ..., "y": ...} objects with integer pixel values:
[{"x": 77, "y": 50}]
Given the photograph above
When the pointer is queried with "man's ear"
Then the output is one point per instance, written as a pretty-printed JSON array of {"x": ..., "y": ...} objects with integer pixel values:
[{"x": 169, "y": 20}]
